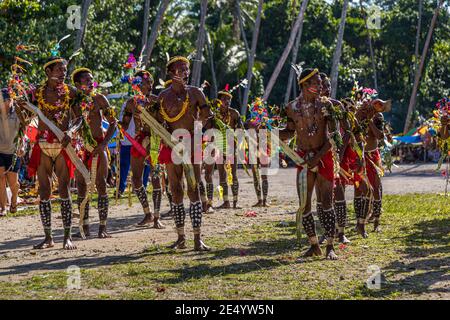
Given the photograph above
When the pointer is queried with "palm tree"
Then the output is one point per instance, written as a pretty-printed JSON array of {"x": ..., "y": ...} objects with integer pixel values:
[
  {"x": 419, "y": 27},
  {"x": 197, "y": 66},
  {"x": 287, "y": 50},
  {"x": 291, "y": 84},
  {"x": 82, "y": 31},
  {"x": 338, "y": 51},
  {"x": 155, "y": 30},
  {"x": 369, "y": 41},
  {"x": 413, "y": 99},
  {"x": 145, "y": 24},
  {"x": 251, "y": 59}
]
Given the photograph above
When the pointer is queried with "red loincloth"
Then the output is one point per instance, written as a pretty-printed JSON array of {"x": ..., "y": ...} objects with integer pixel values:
[
  {"x": 165, "y": 154},
  {"x": 349, "y": 164},
  {"x": 373, "y": 158},
  {"x": 87, "y": 156},
  {"x": 326, "y": 165},
  {"x": 139, "y": 139},
  {"x": 35, "y": 158}
]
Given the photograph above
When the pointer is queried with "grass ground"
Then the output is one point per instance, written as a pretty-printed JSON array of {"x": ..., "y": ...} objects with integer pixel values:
[{"x": 260, "y": 262}]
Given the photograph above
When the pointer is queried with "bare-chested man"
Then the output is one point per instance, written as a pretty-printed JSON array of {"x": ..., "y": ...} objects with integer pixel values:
[
  {"x": 132, "y": 110},
  {"x": 373, "y": 125},
  {"x": 347, "y": 160},
  {"x": 180, "y": 105},
  {"x": 308, "y": 118},
  {"x": 232, "y": 119},
  {"x": 94, "y": 113},
  {"x": 58, "y": 102},
  {"x": 444, "y": 131}
]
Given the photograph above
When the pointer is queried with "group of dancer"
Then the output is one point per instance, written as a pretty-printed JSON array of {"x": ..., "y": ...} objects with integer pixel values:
[{"x": 337, "y": 141}]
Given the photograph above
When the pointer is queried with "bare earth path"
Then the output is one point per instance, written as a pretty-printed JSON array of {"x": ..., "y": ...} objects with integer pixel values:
[{"x": 19, "y": 234}]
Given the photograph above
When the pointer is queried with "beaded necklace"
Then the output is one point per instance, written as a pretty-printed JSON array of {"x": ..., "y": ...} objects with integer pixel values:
[{"x": 183, "y": 110}]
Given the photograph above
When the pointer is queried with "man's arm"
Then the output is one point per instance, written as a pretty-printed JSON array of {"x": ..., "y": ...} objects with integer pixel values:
[
  {"x": 108, "y": 113},
  {"x": 444, "y": 128},
  {"x": 127, "y": 114},
  {"x": 75, "y": 98},
  {"x": 206, "y": 116},
  {"x": 289, "y": 131},
  {"x": 376, "y": 126}
]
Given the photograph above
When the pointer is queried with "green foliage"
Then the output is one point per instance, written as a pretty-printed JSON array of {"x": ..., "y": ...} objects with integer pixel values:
[{"x": 115, "y": 28}]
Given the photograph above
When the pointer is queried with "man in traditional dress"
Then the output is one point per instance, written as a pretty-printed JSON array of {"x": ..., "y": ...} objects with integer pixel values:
[
  {"x": 232, "y": 120},
  {"x": 58, "y": 102},
  {"x": 180, "y": 106},
  {"x": 145, "y": 99},
  {"x": 310, "y": 118},
  {"x": 94, "y": 112}
]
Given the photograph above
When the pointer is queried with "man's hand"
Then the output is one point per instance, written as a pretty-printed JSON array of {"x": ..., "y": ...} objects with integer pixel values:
[
  {"x": 66, "y": 140},
  {"x": 313, "y": 162},
  {"x": 100, "y": 148}
]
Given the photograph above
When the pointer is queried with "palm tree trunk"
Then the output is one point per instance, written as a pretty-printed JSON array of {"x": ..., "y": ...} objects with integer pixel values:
[
  {"x": 338, "y": 51},
  {"x": 372, "y": 56},
  {"x": 293, "y": 61},
  {"x": 287, "y": 50},
  {"x": 413, "y": 99},
  {"x": 155, "y": 30},
  {"x": 82, "y": 31},
  {"x": 145, "y": 24},
  {"x": 197, "y": 67},
  {"x": 211, "y": 64},
  {"x": 251, "y": 60},
  {"x": 419, "y": 27},
  {"x": 241, "y": 26}
]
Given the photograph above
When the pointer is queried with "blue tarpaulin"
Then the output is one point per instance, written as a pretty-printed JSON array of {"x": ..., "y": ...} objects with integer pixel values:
[{"x": 408, "y": 139}]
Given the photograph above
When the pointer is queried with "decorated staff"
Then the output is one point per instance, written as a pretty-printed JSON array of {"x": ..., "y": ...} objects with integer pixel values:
[{"x": 95, "y": 156}]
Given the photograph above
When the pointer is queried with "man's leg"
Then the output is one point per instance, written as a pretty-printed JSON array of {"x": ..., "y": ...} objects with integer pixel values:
[
  {"x": 328, "y": 216},
  {"x": 103, "y": 201},
  {"x": 81, "y": 195},
  {"x": 235, "y": 185},
  {"x": 175, "y": 174},
  {"x": 256, "y": 184},
  {"x": 146, "y": 175},
  {"x": 223, "y": 183},
  {"x": 308, "y": 223},
  {"x": 13, "y": 183},
  {"x": 209, "y": 171},
  {"x": 137, "y": 169},
  {"x": 44, "y": 174},
  {"x": 156, "y": 196},
  {"x": 125, "y": 159},
  {"x": 340, "y": 207},
  {"x": 265, "y": 189},
  {"x": 62, "y": 172},
  {"x": 195, "y": 213},
  {"x": 377, "y": 204},
  {"x": 362, "y": 207},
  {"x": 3, "y": 199}
]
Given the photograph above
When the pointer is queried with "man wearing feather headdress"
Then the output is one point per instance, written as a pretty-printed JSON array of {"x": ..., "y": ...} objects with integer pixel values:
[
  {"x": 143, "y": 85},
  {"x": 232, "y": 120},
  {"x": 59, "y": 102},
  {"x": 311, "y": 119},
  {"x": 94, "y": 112},
  {"x": 180, "y": 106}
]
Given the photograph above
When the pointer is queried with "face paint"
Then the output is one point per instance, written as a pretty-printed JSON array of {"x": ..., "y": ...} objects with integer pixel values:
[{"x": 313, "y": 90}]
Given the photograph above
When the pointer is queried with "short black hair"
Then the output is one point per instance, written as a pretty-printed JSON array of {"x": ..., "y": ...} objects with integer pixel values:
[
  {"x": 142, "y": 74},
  {"x": 77, "y": 76},
  {"x": 323, "y": 75},
  {"x": 306, "y": 72},
  {"x": 51, "y": 66}
]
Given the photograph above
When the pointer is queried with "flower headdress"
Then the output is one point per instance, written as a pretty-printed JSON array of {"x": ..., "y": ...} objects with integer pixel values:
[{"x": 261, "y": 115}]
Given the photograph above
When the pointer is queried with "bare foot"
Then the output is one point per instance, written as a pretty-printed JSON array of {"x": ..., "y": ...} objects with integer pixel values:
[
  {"x": 148, "y": 219},
  {"x": 330, "y": 254},
  {"x": 87, "y": 233},
  {"x": 47, "y": 243},
  {"x": 376, "y": 226},
  {"x": 235, "y": 206},
  {"x": 361, "y": 230},
  {"x": 179, "y": 244},
  {"x": 314, "y": 250},
  {"x": 157, "y": 224},
  {"x": 102, "y": 233},
  {"x": 225, "y": 205},
  {"x": 266, "y": 204},
  {"x": 258, "y": 204},
  {"x": 322, "y": 239},
  {"x": 210, "y": 210},
  {"x": 13, "y": 209},
  {"x": 343, "y": 239},
  {"x": 200, "y": 246},
  {"x": 68, "y": 244}
]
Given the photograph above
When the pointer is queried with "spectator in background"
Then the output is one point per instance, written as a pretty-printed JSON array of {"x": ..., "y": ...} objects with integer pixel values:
[{"x": 125, "y": 157}]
